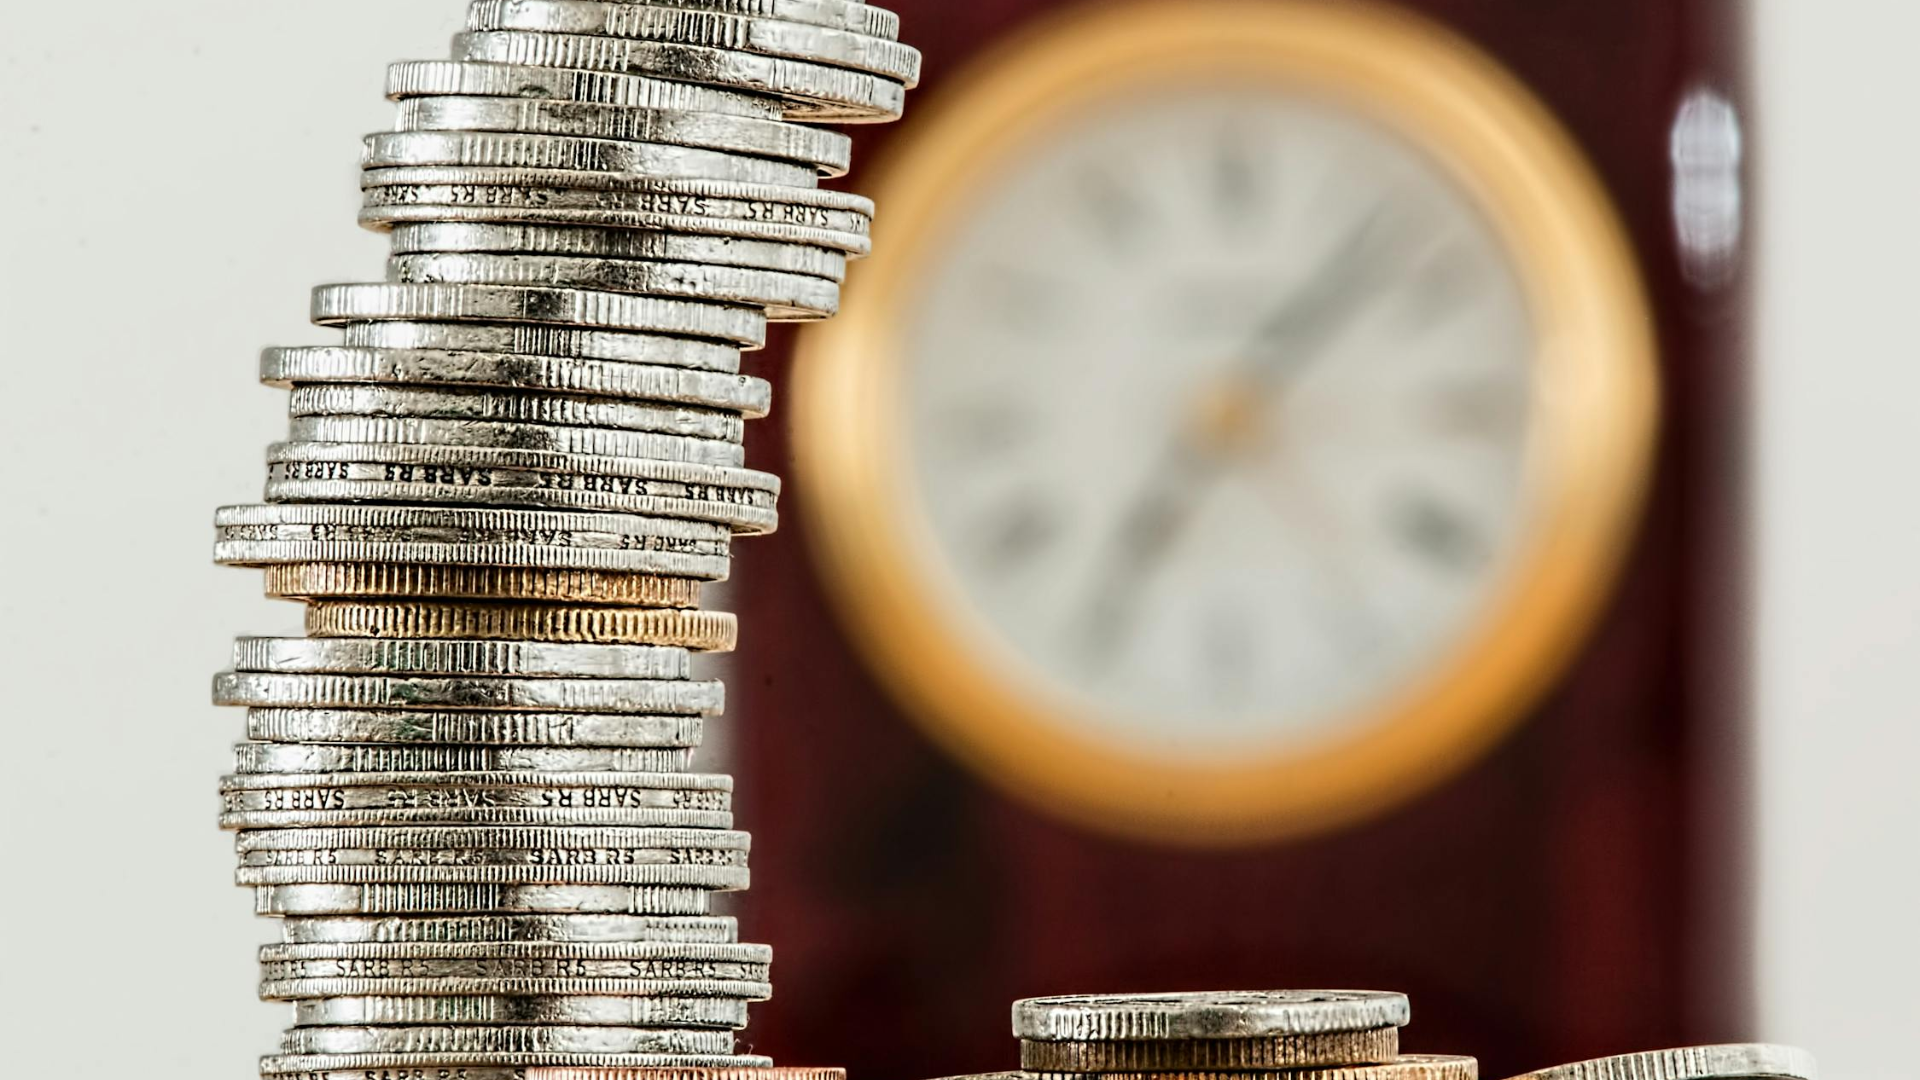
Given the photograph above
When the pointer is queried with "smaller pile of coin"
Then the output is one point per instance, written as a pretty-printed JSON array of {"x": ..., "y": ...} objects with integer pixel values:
[
  {"x": 1322, "y": 1034},
  {"x": 1306, "y": 1035}
]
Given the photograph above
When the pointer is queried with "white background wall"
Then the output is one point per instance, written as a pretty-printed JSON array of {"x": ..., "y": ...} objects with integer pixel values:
[
  {"x": 1838, "y": 529},
  {"x": 176, "y": 178}
]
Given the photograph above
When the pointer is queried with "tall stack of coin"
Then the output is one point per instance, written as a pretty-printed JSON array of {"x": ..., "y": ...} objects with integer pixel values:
[{"x": 467, "y": 790}]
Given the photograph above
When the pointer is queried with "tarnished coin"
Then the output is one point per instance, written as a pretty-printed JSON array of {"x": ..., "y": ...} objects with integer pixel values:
[
  {"x": 1404, "y": 1067},
  {"x": 473, "y": 1066},
  {"x": 435, "y": 78},
  {"x": 692, "y": 846},
  {"x": 514, "y": 150},
  {"x": 787, "y": 297},
  {"x": 374, "y": 898},
  {"x": 1724, "y": 1061},
  {"x": 1200, "y": 1055},
  {"x": 443, "y": 656},
  {"x": 827, "y": 150},
  {"x": 373, "y": 302},
  {"x": 703, "y": 631},
  {"x": 555, "y": 342},
  {"x": 817, "y": 92},
  {"x": 267, "y": 690},
  {"x": 581, "y": 241},
  {"x": 518, "y": 408},
  {"x": 458, "y": 1039},
  {"x": 286, "y": 759},
  {"x": 526, "y": 730},
  {"x": 740, "y": 394},
  {"x": 712, "y": 930},
  {"x": 771, "y": 37},
  {"x": 375, "y": 580},
  {"x": 486, "y": 435},
  {"x": 509, "y": 1009},
  {"x": 1232, "y": 1014}
]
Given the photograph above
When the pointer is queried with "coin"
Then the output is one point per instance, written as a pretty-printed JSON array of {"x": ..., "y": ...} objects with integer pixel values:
[
  {"x": 467, "y": 1066},
  {"x": 434, "y": 78},
  {"x": 819, "y": 92},
  {"x": 299, "y": 579},
  {"x": 589, "y": 242},
  {"x": 1404, "y": 1067},
  {"x": 532, "y": 409},
  {"x": 717, "y": 930},
  {"x": 704, "y": 631},
  {"x": 557, "y": 342},
  {"x": 1212, "y": 1054},
  {"x": 786, "y": 297},
  {"x": 1716, "y": 1062},
  {"x": 528, "y": 869},
  {"x": 441, "y": 656},
  {"x": 286, "y": 759},
  {"x": 267, "y": 690},
  {"x": 517, "y": 150},
  {"x": 484, "y": 435},
  {"x": 451, "y": 1039},
  {"x": 407, "y": 726},
  {"x": 1236, "y": 1014},
  {"x": 335, "y": 304},
  {"x": 523, "y": 1009},
  {"x": 376, "y": 898},
  {"x": 741, "y": 394},
  {"x": 782, "y": 1073}
]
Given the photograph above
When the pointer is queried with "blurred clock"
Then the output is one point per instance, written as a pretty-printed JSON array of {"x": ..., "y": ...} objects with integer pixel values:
[{"x": 1241, "y": 421}]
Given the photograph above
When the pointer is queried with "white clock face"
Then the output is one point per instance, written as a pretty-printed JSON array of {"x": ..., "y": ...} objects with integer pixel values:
[{"x": 1218, "y": 408}]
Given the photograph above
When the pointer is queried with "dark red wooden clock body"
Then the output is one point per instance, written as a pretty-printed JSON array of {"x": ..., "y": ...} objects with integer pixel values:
[{"x": 1578, "y": 892}]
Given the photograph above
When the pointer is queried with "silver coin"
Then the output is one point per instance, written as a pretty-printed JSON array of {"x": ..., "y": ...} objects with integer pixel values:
[
  {"x": 334, "y": 304},
  {"x": 555, "y": 342},
  {"x": 787, "y": 297},
  {"x": 713, "y": 930},
  {"x": 503, "y": 1009},
  {"x": 818, "y": 92},
  {"x": 375, "y": 898},
  {"x": 518, "y": 408},
  {"x": 486, "y": 435},
  {"x": 742, "y": 394},
  {"x": 528, "y": 872},
  {"x": 770, "y": 37},
  {"x": 266, "y": 690},
  {"x": 286, "y": 759},
  {"x": 527, "y": 479},
  {"x": 292, "y": 980},
  {"x": 724, "y": 848},
  {"x": 435, "y": 78},
  {"x": 455, "y": 1039},
  {"x": 850, "y": 15},
  {"x": 554, "y": 799},
  {"x": 840, "y": 211},
  {"x": 455, "y": 527},
  {"x": 1725, "y": 1061},
  {"x": 766, "y": 220},
  {"x": 698, "y": 867},
  {"x": 594, "y": 243},
  {"x": 403, "y": 656},
  {"x": 517, "y": 150},
  {"x": 828, "y": 151},
  {"x": 1235, "y": 1014},
  {"x": 401, "y": 953},
  {"x": 471, "y": 1066},
  {"x": 551, "y": 732}
]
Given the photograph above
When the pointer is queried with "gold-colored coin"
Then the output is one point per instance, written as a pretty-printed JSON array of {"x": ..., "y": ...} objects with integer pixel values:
[
  {"x": 703, "y": 631},
  {"x": 1406, "y": 1067},
  {"x": 306, "y": 581},
  {"x": 1368, "y": 1047}
]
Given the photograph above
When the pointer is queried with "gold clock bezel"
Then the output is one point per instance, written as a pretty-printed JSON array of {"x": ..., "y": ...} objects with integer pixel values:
[{"x": 1594, "y": 419}]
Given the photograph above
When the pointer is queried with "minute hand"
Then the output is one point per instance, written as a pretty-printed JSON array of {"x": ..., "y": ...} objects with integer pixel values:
[{"x": 1293, "y": 336}]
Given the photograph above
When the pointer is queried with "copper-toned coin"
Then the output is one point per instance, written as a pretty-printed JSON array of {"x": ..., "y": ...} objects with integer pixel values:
[
  {"x": 1271, "y": 1052},
  {"x": 428, "y": 581},
  {"x": 782, "y": 1073},
  {"x": 705, "y": 631},
  {"x": 1407, "y": 1067}
]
